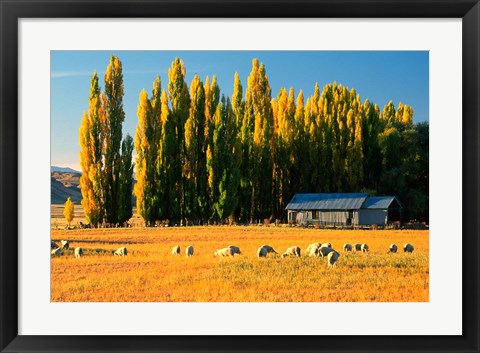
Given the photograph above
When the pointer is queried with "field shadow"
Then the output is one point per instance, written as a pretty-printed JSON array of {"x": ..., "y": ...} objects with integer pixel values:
[{"x": 109, "y": 242}]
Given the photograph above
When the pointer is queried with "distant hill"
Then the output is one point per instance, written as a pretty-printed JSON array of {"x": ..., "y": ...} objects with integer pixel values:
[
  {"x": 67, "y": 178},
  {"x": 65, "y": 185},
  {"x": 63, "y": 169}
]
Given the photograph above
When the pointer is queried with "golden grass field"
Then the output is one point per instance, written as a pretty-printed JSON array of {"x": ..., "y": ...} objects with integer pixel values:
[{"x": 151, "y": 274}]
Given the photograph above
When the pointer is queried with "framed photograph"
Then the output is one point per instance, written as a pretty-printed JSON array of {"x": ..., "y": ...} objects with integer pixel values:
[{"x": 239, "y": 176}]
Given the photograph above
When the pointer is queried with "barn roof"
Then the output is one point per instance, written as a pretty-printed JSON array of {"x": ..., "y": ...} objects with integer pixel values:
[
  {"x": 339, "y": 201},
  {"x": 381, "y": 202}
]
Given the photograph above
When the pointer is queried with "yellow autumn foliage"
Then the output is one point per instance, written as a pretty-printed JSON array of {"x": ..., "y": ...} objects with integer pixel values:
[{"x": 68, "y": 211}]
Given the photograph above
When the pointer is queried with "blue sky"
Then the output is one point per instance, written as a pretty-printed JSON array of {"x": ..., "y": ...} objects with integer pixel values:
[{"x": 380, "y": 76}]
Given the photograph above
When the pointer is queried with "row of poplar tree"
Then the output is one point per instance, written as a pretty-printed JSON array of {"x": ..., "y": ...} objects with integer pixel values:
[
  {"x": 204, "y": 157},
  {"x": 106, "y": 161}
]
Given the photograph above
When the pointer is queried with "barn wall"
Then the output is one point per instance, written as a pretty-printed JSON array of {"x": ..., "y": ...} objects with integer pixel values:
[
  {"x": 355, "y": 218},
  {"x": 369, "y": 217},
  {"x": 337, "y": 217},
  {"x": 326, "y": 217},
  {"x": 292, "y": 215}
]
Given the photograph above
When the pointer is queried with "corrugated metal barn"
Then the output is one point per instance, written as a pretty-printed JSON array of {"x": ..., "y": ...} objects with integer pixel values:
[{"x": 343, "y": 209}]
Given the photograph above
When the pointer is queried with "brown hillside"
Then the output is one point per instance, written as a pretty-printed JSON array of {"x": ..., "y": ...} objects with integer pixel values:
[
  {"x": 67, "y": 179},
  {"x": 64, "y": 187},
  {"x": 67, "y": 184}
]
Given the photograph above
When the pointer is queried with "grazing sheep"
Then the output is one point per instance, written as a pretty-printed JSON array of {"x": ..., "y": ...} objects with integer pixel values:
[
  {"x": 65, "y": 244},
  {"x": 269, "y": 249},
  {"x": 57, "y": 251},
  {"x": 223, "y": 252},
  {"x": 324, "y": 251},
  {"x": 189, "y": 251},
  {"x": 328, "y": 245},
  {"x": 364, "y": 248},
  {"x": 121, "y": 252},
  {"x": 53, "y": 245},
  {"x": 393, "y": 248},
  {"x": 347, "y": 247},
  {"x": 235, "y": 249},
  {"x": 78, "y": 253},
  {"x": 312, "y": 249},
  {"x": 292, "y": 251},
  {"x": 408, "y": 248},
  {"x": 175, "y": 250},
  {"x": 332, "y": 258},
  {"x": 357, "y": 247},
  {"x": 264, "y": 250}
]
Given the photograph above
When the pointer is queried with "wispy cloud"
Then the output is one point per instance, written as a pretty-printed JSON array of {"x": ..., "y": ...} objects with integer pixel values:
[{"x": 60, "y": 74}]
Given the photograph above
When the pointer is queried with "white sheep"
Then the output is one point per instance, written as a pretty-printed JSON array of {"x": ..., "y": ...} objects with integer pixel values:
[
  {"x": 65, "y": 244},
  {"x": 223, "y": 252},
  {"x": 393, "y": 248},
  {"x": 235, "y": 249},
  {"x": 53, "y": 245},
  {"x": 347, "y": 247},
  {"x": 292, "y": 251},
  {"x": 408, "y": 248},
  {"x": 328, "y": 245},
  {"x": 189, "y": 251},
  {"x": 175, "y": 250},
  {"x": 312, "y": 249},
  {"x": 121, "y": 252},
  {"x": 364, "y": 248},
  {"x": 332, "y": 258},
  {"x": 324, "y": 251},
  {"x": 357, "y": 247},
  {"x": 78, "y": 253},
  {"x": 57, "y": 251},
  {"x": 264, "y": 250}
]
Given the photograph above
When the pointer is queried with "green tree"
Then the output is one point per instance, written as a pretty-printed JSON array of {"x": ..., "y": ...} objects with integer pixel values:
[
  {"x": 167, "y": 165},
  {"x": 195, "y": 159},
  {"x": 246, "y": 170},
  {"x": 238, "y": 106},
  {"x": 147, "y": 140},
  {"x": 408, "y": 178},
  {"x": 212, "y": 97},
  {"x": 354, "y": 161},
  {"x": 415, "y": 152},
  {"x": 126, "y": 175},
  {"x": 372, "y": 157},
  {"x": 180, "y": 105},
  {"x": 300, "y": 148},
  {"x": 225, "y": 168},
  {"x": 283, "y": 155},
  {"x": 114, "y": 117}
]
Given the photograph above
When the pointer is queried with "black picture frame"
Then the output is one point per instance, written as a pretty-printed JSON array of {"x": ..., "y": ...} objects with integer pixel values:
[{"x": 11, "y": 11}]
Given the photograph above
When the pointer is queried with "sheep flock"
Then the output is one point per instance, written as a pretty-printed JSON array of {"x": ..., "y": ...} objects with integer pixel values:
[{"x": 319, "y": 250}]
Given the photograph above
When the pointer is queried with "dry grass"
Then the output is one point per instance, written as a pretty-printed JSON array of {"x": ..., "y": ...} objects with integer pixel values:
[
  {"x": 151, "y": 274},
  {"x": 57, "y": 219}
]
